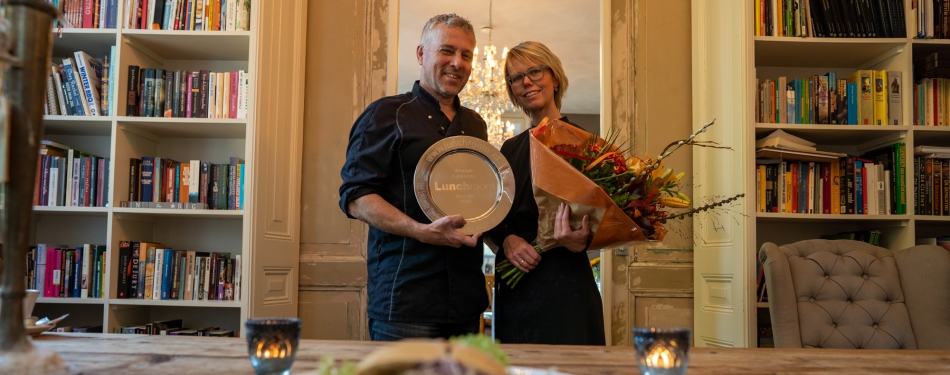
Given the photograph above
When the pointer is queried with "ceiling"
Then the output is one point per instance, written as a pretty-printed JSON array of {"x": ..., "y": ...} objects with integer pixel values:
[{"x": 570, "y": 28}]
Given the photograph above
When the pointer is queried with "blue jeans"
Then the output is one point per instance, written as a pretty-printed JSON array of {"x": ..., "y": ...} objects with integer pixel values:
[{"x": 393, "y": 331}]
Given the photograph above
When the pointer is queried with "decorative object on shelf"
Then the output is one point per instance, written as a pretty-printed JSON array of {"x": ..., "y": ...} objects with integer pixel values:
[
  {"x": 25, "y": 31},
  {"x": 486, "y": 92},
  {"x": 272, "y": 344},
  {"x": 662, "y": 351}
]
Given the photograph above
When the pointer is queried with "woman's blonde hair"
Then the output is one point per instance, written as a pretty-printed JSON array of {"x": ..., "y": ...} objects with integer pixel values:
[{"x": 540, "y": 54}]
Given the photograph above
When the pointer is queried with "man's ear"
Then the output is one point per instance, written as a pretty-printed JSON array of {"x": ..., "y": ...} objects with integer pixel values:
[{"x": 419, "y": 51}]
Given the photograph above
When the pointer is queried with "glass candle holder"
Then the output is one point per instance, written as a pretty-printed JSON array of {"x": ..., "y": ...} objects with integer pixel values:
[
  {"x": 272, "y": 344},
  {"x": 662, "y": 351}
]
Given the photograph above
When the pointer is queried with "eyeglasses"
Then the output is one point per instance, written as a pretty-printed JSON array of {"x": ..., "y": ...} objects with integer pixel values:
[{"x": 534, "y": 74}]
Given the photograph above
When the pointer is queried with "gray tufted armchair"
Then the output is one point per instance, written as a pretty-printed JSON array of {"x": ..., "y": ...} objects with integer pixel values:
[{"x": 849, "y": 294}]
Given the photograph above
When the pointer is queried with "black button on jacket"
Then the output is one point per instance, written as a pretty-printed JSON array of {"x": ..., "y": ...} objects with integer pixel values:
[{"x": 410, "y": 281}]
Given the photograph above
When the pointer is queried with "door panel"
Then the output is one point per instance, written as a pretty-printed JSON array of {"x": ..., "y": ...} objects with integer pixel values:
[
  {"x": 723, "y": 239},
  {"x": 274, "y": 169}
]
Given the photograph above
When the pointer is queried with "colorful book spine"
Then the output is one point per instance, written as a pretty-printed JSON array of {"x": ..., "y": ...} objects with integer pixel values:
[
  {"x": 880, "y": 97},
  {"x": 895, "y": 108}
]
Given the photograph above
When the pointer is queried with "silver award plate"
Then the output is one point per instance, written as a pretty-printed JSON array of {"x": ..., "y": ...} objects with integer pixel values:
[{"x": 465, "y": 176}]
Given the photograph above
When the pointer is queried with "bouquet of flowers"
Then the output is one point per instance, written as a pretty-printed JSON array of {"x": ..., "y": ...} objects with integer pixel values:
[{"x": 626, "y": 198}]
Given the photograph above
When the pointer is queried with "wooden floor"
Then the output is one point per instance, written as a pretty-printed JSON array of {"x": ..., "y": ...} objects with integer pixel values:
[{"x": 135, "y": 354}]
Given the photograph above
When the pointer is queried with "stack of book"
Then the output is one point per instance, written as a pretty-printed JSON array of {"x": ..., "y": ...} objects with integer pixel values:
[
  {"x": 932, "y": 90},
  {"x": 196, "y": 184},
  {"x": 80, "y": 86},
  {"x": 794, "y": 177},
  {"x": 932, "y": 19},
  {"x": 149, "y": 270},
  {"x": 932, "y": 180},
  {"x": 63, "y": 271},
  {"x": 83, "y": 329},
  {"x": 180, "y": 93},
  {"x": 172, "y": 327},
  {"x": 867, "y": 97},
  {"x": 872, "y": 237},
  {"x": 766, "y": 340},
  {"x": 204, "y": 15},
  {"x": 88, "y": 14},
  {"x": 834, "y": 19},
  {"x": 70, "y": 178}
]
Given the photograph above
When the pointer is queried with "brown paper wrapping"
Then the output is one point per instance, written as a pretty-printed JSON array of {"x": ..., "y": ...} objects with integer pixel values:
[{"x": 555, "y": 181}]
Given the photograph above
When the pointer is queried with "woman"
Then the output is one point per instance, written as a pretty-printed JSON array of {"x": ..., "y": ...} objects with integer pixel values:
[{"x": 557, "y": 301}]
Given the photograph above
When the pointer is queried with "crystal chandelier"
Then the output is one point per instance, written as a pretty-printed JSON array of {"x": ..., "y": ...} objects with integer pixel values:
[{"x": 486, "y": 92}]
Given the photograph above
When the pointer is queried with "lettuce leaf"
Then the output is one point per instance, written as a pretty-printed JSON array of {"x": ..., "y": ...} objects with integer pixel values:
[{"x": 483, "y": 343}]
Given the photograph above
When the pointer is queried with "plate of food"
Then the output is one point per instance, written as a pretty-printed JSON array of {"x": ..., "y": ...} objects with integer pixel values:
[
  {"x": 466, "y": 355},
  {"x": 518, "y": 370}
]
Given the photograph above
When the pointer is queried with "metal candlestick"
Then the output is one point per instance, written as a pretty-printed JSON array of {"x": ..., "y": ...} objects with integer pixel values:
[{"x": 26, "y": 51}]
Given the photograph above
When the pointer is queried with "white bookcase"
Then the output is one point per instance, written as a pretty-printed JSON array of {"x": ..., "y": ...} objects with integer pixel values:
[
  {"x": 122, "y": 137},
  {"x": 727, "y": 59}
]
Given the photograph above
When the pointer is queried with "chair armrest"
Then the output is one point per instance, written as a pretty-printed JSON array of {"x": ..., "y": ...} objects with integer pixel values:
[{"x": 783, "y": 306}]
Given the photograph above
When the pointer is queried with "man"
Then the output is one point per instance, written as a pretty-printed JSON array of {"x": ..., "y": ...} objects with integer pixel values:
[{"x": 425, "y": 278}]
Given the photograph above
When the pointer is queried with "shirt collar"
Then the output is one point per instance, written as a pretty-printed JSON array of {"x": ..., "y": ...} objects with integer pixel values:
[{"x": 418, "y": 91}]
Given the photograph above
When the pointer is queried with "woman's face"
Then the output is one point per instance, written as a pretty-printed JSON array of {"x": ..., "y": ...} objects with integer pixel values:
[{"x": 532, "y": 94}]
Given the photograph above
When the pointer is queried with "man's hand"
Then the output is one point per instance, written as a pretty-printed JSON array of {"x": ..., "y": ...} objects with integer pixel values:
[
  {"x": 520, "y": 253},
  {"x": 443, "y": 232},
  {"x": 374, "y": 210},
  {"x": 573, "y": 240}
]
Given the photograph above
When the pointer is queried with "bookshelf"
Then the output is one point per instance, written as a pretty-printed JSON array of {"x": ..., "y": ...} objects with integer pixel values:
[
  {"x": 120, "y": 137},
  {"x": 798, "y": 57}
]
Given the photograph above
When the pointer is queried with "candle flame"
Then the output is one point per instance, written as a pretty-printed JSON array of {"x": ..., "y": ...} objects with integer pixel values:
[
  {"x": 273, "y": 349},
  {"x": 660, "y": 357}
]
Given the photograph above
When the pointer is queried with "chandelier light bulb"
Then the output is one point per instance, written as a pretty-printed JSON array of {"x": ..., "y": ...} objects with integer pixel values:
[{"x": 486, "y": 92}]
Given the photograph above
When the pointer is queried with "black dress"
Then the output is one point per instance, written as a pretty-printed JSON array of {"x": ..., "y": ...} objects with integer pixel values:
[{"x": 558, "y": 301}]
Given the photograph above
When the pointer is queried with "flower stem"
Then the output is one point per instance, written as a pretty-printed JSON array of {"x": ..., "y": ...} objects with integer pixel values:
[
  {"x": 705, "y": 208},
  {"x": 679, "y": 144}
]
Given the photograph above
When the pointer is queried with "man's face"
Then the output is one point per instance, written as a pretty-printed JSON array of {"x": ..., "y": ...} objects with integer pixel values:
[{"x": 446, "y": 61}]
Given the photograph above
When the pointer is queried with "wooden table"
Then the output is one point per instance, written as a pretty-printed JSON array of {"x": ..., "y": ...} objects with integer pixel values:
[{"x": 132, "y": 354}]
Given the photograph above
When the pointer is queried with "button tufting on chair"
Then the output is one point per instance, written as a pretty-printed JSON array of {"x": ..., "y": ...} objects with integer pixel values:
[{"x": 801, "y": 272}]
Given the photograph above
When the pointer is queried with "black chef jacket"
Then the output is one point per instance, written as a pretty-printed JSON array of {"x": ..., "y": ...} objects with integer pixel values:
[{"x": 411, "y": 281}]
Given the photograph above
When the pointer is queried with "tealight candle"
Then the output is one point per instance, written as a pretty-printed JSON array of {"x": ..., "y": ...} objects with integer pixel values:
[
  {"x": 662, "y": 351},
  {"x": 660, "y": 357},
  {"x": 272, "y": 344}
]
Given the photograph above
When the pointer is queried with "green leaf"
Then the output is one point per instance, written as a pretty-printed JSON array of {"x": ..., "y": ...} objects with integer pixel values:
[
  {"x": 326, "y": 367},
  {"x": 483, "y": 343}
]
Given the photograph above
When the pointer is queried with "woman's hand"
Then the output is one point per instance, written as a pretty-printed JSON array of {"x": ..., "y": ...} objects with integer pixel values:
[
  {"x": 573, "y": 240},
  {"x": 520, "y": 253}
]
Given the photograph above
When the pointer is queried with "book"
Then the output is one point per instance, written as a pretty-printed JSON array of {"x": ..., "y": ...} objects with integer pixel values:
[
  {"x": 923, "y": 150},
  {"x": 134, "y": 261},
  {"x": 74, "y": 86},
  {"x": 88, "y": 72},
  {"x": 779, "y": 139},
  {"x": 168, "y": 262},
  {"x": 135, "y": 176},
  {"x": 148, "y": 166},
  {"x": 819, "y": 156},
  {"x": 124, "y": 270},
  {"x": 879, "y": 79},
  {"x": 865, "y": 96},
  {"x": 148, "y": 279},
  {"x": 895, "y": 109},
  {"x": 158, "y": 273}
]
